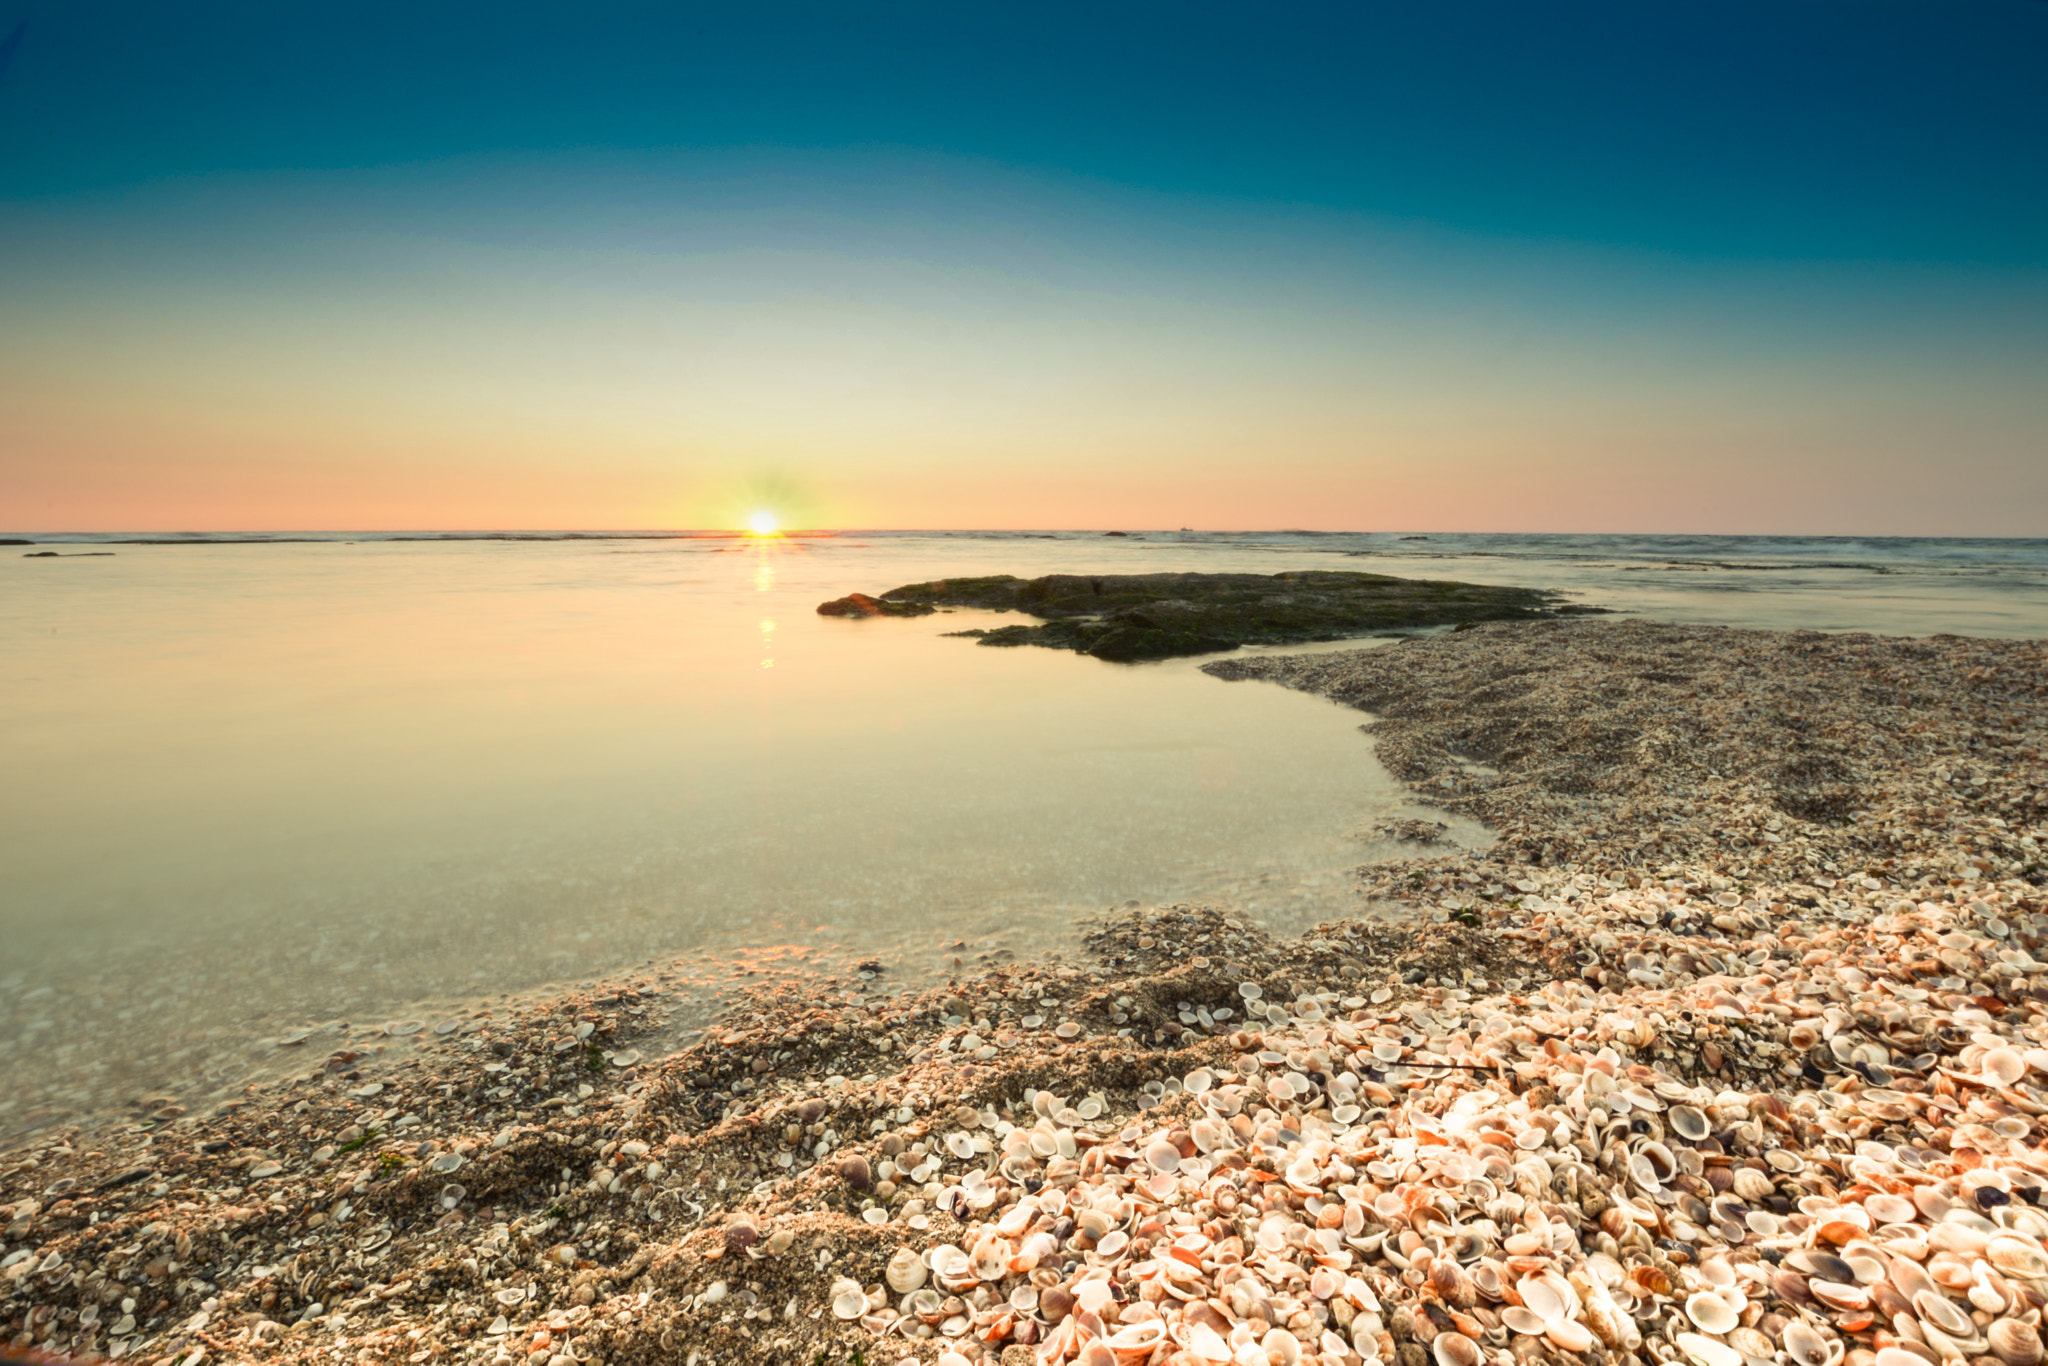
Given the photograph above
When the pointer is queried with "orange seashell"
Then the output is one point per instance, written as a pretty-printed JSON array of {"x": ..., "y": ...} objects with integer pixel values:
[
  {"x": 1855, "y": 1320},
  {"x": 1651, "y": 1280},
  {"x": 1841, "y": 1232}
]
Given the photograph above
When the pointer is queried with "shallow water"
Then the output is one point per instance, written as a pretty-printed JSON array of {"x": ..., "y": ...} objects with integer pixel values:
[{"x": 259, "y": 785}]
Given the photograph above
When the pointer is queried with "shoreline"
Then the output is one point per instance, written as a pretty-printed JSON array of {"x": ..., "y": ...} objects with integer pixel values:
[{"x": 1134, "y": 1124}]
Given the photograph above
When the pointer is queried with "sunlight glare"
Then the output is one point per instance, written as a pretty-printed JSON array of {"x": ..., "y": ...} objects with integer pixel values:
[{"x": 762, "y": 523}]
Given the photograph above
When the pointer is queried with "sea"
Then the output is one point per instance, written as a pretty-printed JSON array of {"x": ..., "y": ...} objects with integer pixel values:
[{"x": 265, "y": 782}]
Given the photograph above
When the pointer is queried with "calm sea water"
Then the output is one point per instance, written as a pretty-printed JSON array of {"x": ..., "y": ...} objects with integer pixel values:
[{"x": 357, "y": 776}]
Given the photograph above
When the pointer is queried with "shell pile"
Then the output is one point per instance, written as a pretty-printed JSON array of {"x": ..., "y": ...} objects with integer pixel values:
[
  {"x": 1490, "y": 1178},
  {"x": 1732, "y": 1052}
]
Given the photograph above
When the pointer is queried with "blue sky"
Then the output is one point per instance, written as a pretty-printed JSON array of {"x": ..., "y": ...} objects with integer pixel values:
[{"x": 1653, "y": 197}]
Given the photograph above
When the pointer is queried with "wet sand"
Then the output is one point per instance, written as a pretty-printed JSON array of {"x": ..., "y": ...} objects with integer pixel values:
[{"x": 1735, "y": 1033}]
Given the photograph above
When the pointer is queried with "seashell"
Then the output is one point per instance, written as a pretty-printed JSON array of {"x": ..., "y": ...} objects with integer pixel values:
[
  {"x": 1835, "y": 1295},
  {"x": 1822, "y": 1265},
  {"x": 2014, "y": 1342},
  {"x": 1687, "y": 1122},
  {"x": 1706, "y": 1351},
  {"x": 847, "y": 1300},
  {"x": 1939, "y": 1310},
  {"x": 1805, "y": 1345},
  {"x": 1453, "y": 1349},
  {"x": 2017, "y": 1256},
  {"x": 906, "y": 1272},
  {"x": 1710, "y": 1313},
  {"x": 1865, "y": 1262},
  {"x": 1163, "y": 1156},
  {"x": 1541, "y": 1299},
  {"x": 1522, "y": 1320},
  {"x": 1206, "y": 1344},
  {"x": 1451, "y": 1284},
  {"x": 1572, "y": 1336},
  {"x": 1751, "y": 1185},
  {"x": 1649, "y": 1280},
  {"x": 1752, "y": 1344},
  {"x": 854, "y": 1172}
]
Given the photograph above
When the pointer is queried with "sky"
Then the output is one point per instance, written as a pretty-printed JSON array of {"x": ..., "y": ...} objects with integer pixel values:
[{"x": 1685, "y": 267}]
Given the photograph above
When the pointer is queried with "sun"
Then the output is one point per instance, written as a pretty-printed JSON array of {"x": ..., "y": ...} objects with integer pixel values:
[{"x": 762, "y": 523}]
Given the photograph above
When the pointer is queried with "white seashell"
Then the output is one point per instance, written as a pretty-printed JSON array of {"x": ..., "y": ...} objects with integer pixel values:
[
  {"x": 1805, "y": 1345},
  {"x": 1163, "y": 1156},
  {"x": 1541, "y": 1300},
  {"x": 906, "y": 1272},
  {"x": 1573, "y": 1336},
  {"x": 2016, "y": 1256},
  {"x": 1688, "y": 1123},
  {"x": 1707, "y": 1351},
  {"x": 1938, "y": 1309},
  {"x": 1205, "y": 1344},
  {"x": 1710, "y": 1313},
  {"x": 1280, "y": 1348}
]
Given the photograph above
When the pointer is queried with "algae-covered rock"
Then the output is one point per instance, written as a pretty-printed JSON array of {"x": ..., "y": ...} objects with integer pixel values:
[
  {"x": 861, "y": 605},
  {"x": 1158, "y": 616}
]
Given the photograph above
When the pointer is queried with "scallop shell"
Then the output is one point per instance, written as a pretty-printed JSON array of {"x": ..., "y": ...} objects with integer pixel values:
[{"x": 906, "y": 1272}]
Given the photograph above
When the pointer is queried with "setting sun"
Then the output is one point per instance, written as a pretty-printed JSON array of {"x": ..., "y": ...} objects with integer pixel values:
[{"x": 762, "y": 523}]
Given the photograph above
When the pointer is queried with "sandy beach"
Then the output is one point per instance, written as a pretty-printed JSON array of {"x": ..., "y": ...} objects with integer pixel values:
[{"x": 1732, "y": 1050}]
